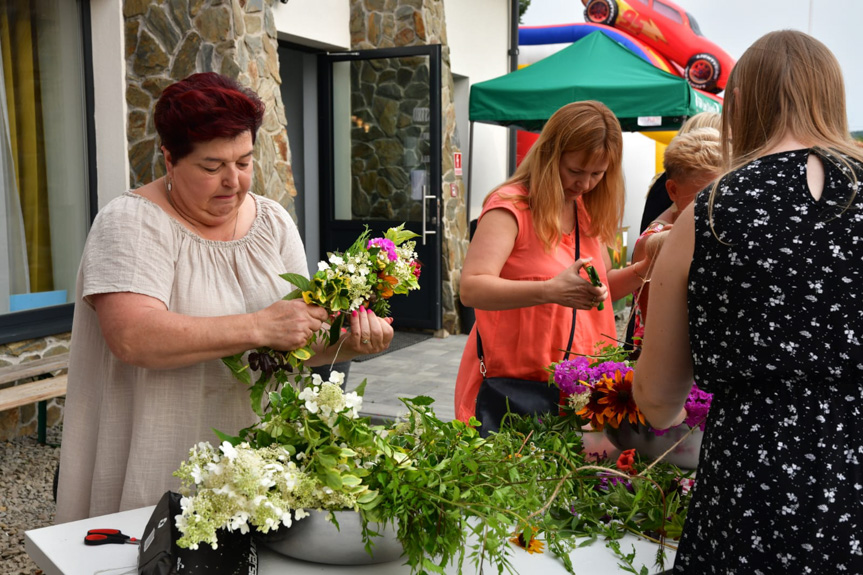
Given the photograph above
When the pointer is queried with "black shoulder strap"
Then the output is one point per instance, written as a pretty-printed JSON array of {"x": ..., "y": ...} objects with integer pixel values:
[{"x": 572, "y": 329}]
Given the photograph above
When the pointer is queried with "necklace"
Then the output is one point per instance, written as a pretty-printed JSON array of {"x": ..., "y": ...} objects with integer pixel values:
[{"x": 190, "y": 222}]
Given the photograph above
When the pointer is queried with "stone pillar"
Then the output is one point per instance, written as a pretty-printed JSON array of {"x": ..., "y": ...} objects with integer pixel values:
[
  {"x": 167, "y": 40},
  {"x": 390, "y": 23}
]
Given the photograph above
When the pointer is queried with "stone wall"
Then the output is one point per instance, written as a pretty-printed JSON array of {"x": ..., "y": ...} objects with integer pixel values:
[
  {"x": 22, "y": 421},
  {"x": 391, "y": 23},
  {"x": 167, "y": 40}
]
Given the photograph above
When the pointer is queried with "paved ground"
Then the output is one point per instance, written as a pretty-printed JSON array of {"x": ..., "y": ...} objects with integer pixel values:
[{"x": 425, "y": 368}]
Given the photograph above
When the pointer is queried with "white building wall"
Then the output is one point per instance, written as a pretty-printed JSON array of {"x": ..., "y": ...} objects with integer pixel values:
[
  {"x": 639, "y": 167},
  {"x": 109, "y": 79},
  {"x": 321, "y": 24},
  {"x": 478, "y": 36}
]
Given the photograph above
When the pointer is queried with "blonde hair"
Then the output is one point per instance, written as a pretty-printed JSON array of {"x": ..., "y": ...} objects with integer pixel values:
[
  {"x": 701, "y": 120},
  {"x": 692, "y": 153},
  {"x": 787, "y": 82},
  {"x": 589, "y": 127}
]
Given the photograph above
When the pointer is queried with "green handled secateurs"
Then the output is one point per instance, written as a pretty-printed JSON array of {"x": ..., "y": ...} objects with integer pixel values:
[{"x": 594, "y": 279}]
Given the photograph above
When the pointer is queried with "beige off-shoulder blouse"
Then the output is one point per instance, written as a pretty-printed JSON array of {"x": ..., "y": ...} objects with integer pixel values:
[{"x": 126, "y": 428}]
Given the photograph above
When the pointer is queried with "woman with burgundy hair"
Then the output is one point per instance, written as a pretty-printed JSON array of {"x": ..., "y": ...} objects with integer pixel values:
[{"x": 176, "y": 275}]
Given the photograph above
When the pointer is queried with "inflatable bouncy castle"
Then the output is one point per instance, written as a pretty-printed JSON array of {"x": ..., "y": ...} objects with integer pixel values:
[
  {"x": 672, "y": 32},
  {"x": 658, "y": 31}
]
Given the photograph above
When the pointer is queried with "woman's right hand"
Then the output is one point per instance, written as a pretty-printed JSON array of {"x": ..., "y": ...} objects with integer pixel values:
[
  {"x": 570, "y": 289},
  {"x": 288, "y": 324},
  {"x": 653, "y": 243}
]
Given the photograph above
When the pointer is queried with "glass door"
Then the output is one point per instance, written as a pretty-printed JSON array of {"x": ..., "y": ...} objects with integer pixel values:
[{"x": 380, "y": 134}]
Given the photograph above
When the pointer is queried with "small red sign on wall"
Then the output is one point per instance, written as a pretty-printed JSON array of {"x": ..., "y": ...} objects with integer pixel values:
[{"x": 456, "y": 162}]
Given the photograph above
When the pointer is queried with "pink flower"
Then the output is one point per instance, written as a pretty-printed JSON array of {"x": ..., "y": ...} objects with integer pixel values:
[{"x": 386, "y": 246}]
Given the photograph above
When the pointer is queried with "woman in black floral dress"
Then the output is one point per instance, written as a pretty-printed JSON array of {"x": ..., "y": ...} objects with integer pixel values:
[{"x": 758, "y": 295}]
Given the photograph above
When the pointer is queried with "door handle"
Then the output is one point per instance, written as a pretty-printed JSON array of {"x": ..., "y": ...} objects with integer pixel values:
[{"x": 426, "y": 231}]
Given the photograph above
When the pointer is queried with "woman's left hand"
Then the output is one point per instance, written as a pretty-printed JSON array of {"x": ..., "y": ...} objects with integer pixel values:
[
  {"x": 681, "y": 417},
  {"x": 368, "y": 332}
]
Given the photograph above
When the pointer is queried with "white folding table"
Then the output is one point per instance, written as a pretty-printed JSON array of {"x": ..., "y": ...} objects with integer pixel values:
[{"x": 60, "y": 550}]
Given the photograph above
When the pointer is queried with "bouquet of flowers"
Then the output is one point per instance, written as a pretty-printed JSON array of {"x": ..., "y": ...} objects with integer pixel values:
[
  {"x": 598, "y": 390},
  {"x": 294, "y": 459},
  {"x": 367, "y": 274}
]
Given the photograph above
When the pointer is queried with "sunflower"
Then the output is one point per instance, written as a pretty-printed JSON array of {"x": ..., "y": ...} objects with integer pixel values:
[
  {"x": 532, "y": 546},
  {"x": 593, "y": 411},
  {"x": 617, "y": 400}
]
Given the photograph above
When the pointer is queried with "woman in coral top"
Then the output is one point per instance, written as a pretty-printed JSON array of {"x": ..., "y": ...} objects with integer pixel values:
[{"x": 521, "y": 273}]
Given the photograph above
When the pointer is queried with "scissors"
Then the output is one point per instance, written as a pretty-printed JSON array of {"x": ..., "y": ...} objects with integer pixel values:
[{"x": 105, "y": 536}]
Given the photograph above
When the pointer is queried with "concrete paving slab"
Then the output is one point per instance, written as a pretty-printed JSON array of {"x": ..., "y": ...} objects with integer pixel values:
[{"x": 425, "y": 368}]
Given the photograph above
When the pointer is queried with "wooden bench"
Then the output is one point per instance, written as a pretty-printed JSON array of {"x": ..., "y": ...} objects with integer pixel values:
[{"x": 48, "y": 386}]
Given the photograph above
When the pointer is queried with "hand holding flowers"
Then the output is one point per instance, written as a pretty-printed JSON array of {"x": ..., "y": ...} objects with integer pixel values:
[{"x": 355, "y": 284}]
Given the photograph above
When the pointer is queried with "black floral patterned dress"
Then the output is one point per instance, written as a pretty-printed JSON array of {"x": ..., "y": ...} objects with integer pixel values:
[{"x": 776, "y": 324}]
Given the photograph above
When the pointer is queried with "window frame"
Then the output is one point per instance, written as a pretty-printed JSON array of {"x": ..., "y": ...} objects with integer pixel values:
[{"x": 57, "y": 319}]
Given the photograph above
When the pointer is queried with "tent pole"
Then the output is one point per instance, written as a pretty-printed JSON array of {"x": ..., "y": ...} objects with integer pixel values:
[
  {"x": 513, "y": 66},
  {"x": 469, "y": 173}
]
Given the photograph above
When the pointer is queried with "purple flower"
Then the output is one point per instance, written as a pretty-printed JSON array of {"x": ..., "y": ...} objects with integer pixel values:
[
  {"x": 596, "y": 456},
  {"x": 608, "y": 481},
  {"x": 697, "y": 406},
  {"x": 385, "y": 245},
  {"x": 569, "y": 375},
  {"x": 575, "y": 376}
]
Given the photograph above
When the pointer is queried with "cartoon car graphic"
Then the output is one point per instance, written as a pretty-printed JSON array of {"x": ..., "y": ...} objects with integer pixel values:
[{"x": 669, "y": 30}]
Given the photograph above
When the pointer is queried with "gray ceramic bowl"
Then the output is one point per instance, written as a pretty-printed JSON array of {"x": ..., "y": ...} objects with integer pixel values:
[{"x": 344, "y": 545}]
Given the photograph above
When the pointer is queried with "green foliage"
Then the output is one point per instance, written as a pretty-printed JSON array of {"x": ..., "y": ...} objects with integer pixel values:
[
  {"x": 441, "y": 482},
  {"x": 523, "y": 5},
  {"x": 457, "y": 497}
]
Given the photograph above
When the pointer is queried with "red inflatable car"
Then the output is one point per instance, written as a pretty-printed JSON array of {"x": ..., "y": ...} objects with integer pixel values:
[{"x": 669, "y": 30}]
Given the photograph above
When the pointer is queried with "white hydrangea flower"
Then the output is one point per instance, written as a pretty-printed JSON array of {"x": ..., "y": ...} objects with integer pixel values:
[
  {"x": 226, "y": 489},
  {"x": 309, "y": 395},
  {"x": 300, "y": 513},
  {"x": 239, "y": 521},
  {"x": 354, "y": 403},
  {"x": 229, "y": 450}
]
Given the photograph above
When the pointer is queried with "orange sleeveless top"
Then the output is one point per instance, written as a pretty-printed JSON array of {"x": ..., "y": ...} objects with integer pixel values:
[{"x": 521, "y": 342}]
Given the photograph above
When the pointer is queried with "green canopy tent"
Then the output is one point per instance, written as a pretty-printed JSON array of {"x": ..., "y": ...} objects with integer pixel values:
[
  {"x": 642, "y": 96},
  {"x": 595, "y": 68}
]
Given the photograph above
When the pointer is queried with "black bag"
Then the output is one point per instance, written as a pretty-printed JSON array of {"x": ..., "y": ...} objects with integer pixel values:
[
  {"x": 501, "y": 395},
  {"x": 159, "y": 554}
]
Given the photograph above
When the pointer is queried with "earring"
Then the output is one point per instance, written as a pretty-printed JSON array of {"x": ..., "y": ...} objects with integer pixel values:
[{"x": 168, "y": 185}]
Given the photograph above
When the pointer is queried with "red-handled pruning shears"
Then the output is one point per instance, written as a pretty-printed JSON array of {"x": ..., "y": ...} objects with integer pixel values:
[{"x": 106, "y": 536}]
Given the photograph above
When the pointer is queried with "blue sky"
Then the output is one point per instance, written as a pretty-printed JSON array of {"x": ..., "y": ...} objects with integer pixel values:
[{"x": 735, "y": 24}]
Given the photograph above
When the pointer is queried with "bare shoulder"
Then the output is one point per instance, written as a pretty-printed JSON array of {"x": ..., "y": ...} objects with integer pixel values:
[{"x": 155, "y": 192}]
